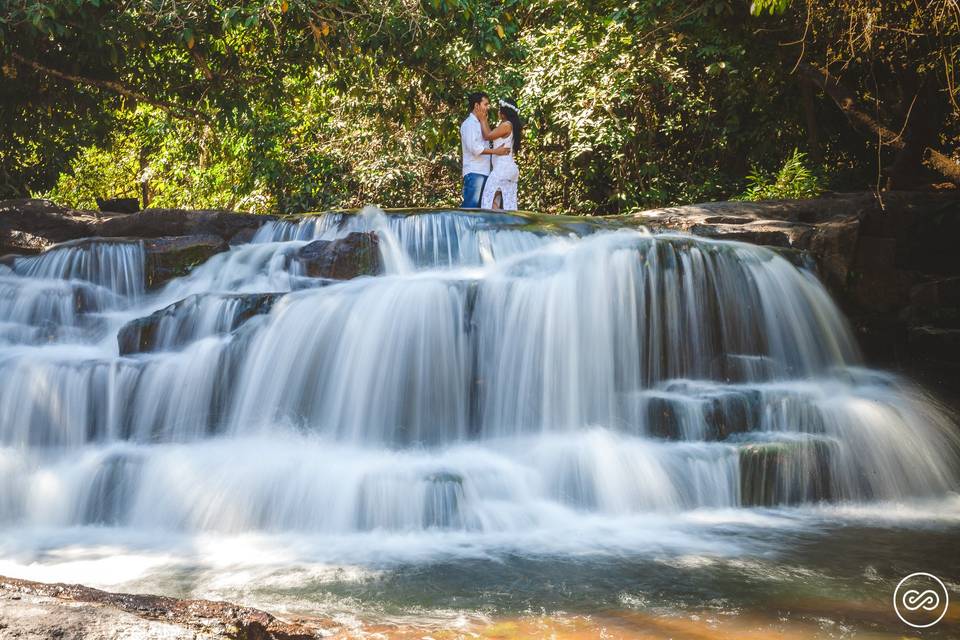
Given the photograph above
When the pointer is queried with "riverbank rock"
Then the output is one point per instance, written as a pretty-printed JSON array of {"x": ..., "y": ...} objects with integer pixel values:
[
  {"x": 29, "y": 226},
  {"x": 40, "y": 610},
  {"x": 827, "y": 228},
  {"x": 356, "y": 254},
  {"x": 144, "y": 334},
  {"x": 173, "y": 257},
  {"x": 156, "y": 223}
]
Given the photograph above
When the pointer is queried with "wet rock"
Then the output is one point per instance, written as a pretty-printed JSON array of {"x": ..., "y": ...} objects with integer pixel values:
[
  {"x": 443, "y": 495},
  {"x": 709, "y": 415},
  {"x": 112, "y": 490},
  {"x": 732, "y": 413},
  {"x": 784, "y": 473},
  {"x": 356, "y": 254},
  {"x": 665, "y": 417},
  {"x": 144, "y": 334},
  {"x": 738, "y": 367},
  {"x": 174, "y": 257}
]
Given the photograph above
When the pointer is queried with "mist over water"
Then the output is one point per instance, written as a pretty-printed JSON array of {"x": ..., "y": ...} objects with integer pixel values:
[{"x": 498, "y": 395}]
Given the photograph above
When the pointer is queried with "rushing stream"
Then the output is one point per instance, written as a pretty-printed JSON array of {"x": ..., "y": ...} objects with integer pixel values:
[{"x": 503, "y": 423}]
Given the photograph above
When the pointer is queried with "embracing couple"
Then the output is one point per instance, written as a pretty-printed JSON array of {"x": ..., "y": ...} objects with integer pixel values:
[{"x": 489, "y": 169}]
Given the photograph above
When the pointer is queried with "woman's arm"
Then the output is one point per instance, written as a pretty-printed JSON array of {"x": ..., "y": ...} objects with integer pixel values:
[
  {"x": 502, "y": 129},
  {"x": 499, "y": 151}
]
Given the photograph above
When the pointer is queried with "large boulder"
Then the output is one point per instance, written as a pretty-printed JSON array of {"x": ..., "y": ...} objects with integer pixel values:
[
  {"x": 29, "y": 226},
  {"x": 356, "y": 254},
  {"x": 174, "y": 257},
  {"x": 156, "y": 223}
]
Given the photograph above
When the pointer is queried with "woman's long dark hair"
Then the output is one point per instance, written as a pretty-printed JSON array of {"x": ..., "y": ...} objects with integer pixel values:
[{"x": 513, "y": 117}]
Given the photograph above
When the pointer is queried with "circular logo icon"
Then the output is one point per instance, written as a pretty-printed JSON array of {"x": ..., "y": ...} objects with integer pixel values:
[{"x": 921, "y": 600}]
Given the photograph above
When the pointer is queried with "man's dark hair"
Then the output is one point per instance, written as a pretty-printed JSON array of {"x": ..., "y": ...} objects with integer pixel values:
[{"x": 474, "y": 99}]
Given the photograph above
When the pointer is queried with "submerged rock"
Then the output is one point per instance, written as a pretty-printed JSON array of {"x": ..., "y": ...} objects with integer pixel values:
[
  {"x": 113, "y": 489},
  {"x": 356, "y": 254},
  {"x": 174, "y": 325},
  {"x": 443, "y": 495},
  {"x": 173, "y": 257}
]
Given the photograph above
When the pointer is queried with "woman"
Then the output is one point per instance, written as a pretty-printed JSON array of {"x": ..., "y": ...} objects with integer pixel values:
[{"x": 500, "y": 190}]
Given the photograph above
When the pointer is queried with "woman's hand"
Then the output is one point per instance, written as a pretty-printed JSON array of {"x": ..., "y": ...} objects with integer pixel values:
[{"x": 500, "y": 151}]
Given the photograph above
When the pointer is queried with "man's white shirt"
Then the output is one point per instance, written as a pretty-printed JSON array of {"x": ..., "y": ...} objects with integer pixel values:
[{"x": 473, "y": 145}]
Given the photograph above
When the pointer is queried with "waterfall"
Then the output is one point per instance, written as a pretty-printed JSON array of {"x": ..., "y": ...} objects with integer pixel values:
[
  {"x": 115, "y": 265},
  {"x": 496, "y": 379}
]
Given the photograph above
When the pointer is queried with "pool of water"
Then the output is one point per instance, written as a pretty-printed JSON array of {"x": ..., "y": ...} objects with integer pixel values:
[{"x": 813, "y": 571}]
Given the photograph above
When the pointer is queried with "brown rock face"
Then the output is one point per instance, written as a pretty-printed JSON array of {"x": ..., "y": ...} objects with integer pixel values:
[
  {"x": 30, "y": 226},
  {"x": 156, "y": 223},
  {"x": 357, "y": 254}
]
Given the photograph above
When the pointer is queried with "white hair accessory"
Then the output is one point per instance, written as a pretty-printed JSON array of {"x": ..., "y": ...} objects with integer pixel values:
[{"x": 507, "y": 105}]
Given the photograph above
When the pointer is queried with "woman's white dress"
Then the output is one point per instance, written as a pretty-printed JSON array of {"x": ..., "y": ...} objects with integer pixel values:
[{"x": 503, "y": 177}]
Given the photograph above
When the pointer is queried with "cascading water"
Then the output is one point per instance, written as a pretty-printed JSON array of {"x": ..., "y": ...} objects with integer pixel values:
[{"x": 495, "y": 388}]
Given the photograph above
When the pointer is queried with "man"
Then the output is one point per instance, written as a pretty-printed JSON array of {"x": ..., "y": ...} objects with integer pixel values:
[{"x": 476, "y": 158}]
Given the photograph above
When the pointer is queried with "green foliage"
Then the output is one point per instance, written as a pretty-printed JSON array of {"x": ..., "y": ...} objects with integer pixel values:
[
  {"x": 757, "y": 7},
  {"x": 794, "y": 181},
  {"x": 293, "y": 105}
]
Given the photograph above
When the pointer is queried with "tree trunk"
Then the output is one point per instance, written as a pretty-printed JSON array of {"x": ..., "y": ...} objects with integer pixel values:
[
  {"x": 864, "y": 122},
  {"x": 813, "y": 132}
]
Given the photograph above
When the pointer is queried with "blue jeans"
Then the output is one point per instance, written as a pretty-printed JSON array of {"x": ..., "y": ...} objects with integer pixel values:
[{"x": 472, "y": 190}]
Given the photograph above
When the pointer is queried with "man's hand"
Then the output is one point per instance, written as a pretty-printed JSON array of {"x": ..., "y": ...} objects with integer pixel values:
[{"x": 500, "y": 151}]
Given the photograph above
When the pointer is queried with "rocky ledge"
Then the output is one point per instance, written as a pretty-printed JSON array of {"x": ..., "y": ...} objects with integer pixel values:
[
  {"x": 30, "y": 226},
  {"x": 39, "y": 610},
  {"x": 890, "y": 261}
]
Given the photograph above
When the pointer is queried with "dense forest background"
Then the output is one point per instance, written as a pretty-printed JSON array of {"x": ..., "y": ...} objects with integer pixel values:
[{"x": 294, "y": 105}]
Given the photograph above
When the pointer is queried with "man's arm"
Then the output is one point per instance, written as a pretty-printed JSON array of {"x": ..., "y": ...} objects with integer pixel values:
[{"x": 473, "y": 138}]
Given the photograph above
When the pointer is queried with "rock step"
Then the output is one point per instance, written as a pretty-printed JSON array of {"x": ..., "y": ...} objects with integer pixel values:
[
  {"x": 174, "y": 326},
  {"x": 785, "y": 473}
]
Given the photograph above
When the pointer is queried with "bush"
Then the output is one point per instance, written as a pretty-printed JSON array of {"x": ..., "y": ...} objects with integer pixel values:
[{"x": 794, "y": 180}]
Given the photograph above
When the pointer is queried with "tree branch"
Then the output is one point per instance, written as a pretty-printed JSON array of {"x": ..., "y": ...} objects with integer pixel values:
[
  {"x": 863, "y": 121},
  {"x": 111, "y": 85}
]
